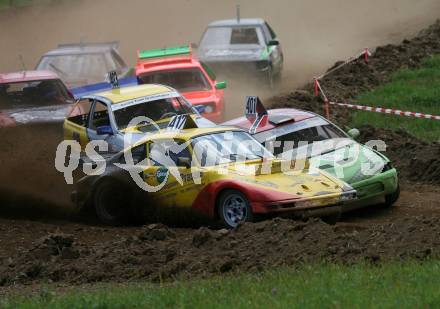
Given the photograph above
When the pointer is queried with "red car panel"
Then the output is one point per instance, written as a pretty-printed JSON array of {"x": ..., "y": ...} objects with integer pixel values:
[{"x": 210, "y": 97}]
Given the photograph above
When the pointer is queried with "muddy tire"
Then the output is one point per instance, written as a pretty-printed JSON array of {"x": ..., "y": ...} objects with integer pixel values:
[
  {"x": 112, "y": 203},
  {"x": 332, "y": 219},
  {"x": 233, "y": 208},
  {"x": 392, "y": 198}
]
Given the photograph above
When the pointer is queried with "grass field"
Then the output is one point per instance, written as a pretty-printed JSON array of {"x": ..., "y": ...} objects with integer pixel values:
[
  {"x": 407, "y": 285},
  {"x": 409, "y": 90}
]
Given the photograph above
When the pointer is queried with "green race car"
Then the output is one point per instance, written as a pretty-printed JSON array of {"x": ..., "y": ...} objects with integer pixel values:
[
  {"x": 243, "y": 47},
  {"x": 294, "y": 134}
]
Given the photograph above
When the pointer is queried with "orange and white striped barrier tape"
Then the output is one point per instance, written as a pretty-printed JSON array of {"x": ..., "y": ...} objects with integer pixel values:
[{"x": 390, "y": 111}]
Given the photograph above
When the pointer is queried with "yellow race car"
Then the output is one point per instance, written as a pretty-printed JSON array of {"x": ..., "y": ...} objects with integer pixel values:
[
  {"x": 107, "y": 115},
  {"x": 220, "y": 172}
]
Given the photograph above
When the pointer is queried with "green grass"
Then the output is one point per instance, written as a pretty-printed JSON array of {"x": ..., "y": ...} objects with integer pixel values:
[
  {"x": 4, "y": 4},
  {"x": 407, "y": 285},
  {"x": 408, "y": 90}
]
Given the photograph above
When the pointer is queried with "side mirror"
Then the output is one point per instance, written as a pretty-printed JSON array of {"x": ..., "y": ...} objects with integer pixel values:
[
  {"x": 221, "y": 85},
  {"x": 104, "y": 130},
  {"x": 183, "y": 161},
  {"x": 200, "y": 108},
  {"x": 273, "y": 43},
  {"x": 354, "y": 133}
]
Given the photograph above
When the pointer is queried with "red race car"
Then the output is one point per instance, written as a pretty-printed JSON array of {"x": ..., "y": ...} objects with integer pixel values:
[
  {"x": 31, "y": 97},
  {"x": 176, "y": 67}
]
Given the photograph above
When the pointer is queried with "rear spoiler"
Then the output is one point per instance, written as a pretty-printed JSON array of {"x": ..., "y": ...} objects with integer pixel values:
[
  {"x": 256, "y": 113},
  {"x": 113, "y": 44},
  {"x": 184, "y": 50},
  {"x": 100, "y": 87}
]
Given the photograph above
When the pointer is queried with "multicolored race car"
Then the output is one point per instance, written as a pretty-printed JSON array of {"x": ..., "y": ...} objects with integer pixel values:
[
  {"x": 243, "y": 47},
  {"x": 176, "y": 67},
  {"x": 107, "y": 115},
  {"x": 220, "y": 172},
  {"x": 31, "y": 97},
  {"x": 290, "y": 133}
]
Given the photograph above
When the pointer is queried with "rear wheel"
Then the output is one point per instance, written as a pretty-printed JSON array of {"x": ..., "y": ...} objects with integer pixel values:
[
  {"x": 234, "y": 208},
  {"x": 392, "y": 198},
  {"x": 332, "y": 219},
  {"x": 112, "y": 203}
]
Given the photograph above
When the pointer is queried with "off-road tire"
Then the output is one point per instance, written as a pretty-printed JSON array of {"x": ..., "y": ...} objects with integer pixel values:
[
  {"x": 112, "y": 203},
  {"x": 233, "y": 208},
  {"x": 392, "y": 198}
]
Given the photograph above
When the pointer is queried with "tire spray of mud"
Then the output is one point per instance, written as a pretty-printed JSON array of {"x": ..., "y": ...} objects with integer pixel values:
[{"x": 29, "y": 183}]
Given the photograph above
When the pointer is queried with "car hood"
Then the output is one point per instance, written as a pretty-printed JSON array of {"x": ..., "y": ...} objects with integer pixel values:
[
  {"x": 235, "y": 53},
  {"x": 351, "y": 163},
  {"x": 301, "y": 183},
  {"x": 195, "y": 97},
  {"x": 26, "y": 115}
]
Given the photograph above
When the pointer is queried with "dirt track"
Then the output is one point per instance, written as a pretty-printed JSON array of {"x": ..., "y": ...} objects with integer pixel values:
[
  {"x": 72, "y": 253},
  {"x": 34, "y": 198}
]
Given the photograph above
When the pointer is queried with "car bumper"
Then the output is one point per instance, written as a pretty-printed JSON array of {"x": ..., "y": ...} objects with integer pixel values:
[
  {"x": 309, "y": 207},
  {"x": 253, "y": 69},
  {"x": 373, "y": 190}
]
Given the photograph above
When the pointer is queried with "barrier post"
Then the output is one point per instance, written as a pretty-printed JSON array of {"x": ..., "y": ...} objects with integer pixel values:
[
  {"x": 316, "y": 87},
  {"x": 327, "y": 108}
]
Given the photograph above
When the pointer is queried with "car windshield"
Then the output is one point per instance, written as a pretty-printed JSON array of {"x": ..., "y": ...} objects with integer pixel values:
[
  {"x": 35, "y": 93},
  {"x": 302, "y": 134},
  {"x": 155, "y": 110},
  {"x": 220, "y": 37},
  {"x": 227, "y": 147},
  {"x": 81, "y": 69},
  {"x": 184, "y": 80}
]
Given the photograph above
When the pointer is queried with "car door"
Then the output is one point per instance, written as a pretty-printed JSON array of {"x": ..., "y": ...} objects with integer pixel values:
[
  {"x": 76, "y": 122},
  {"x": 275, "y": 51},
  {"x": 101, "y": 117},
  {"x": 165, "y": 172}
]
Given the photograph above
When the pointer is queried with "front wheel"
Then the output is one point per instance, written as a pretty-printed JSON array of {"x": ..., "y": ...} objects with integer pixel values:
[
  {"x": 392, "y": 198},
  {"x": 234, "y": 208},
  {"x": 112, "y": 203}
]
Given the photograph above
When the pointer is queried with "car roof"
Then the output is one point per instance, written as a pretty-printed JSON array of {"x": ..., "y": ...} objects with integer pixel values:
[
  {"x": 277, "y": 117},
  {"x": 235, "y": 22},
  {"x": 132, "y": 92},
  {"x": 185, "y": 134},
  {"x": 26, "y": 76},
  {"x": 82, "y": 48}
]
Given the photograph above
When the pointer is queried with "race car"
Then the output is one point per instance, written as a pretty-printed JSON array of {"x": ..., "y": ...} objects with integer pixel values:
[
  {"x": 291, "y": 133},
  {"x": 176, "y": 67},
  {"x": 107, "y": 115},
  {"x": 219, "y": 172},
  {"x": 80, "y": 64},
  {"x": 32, "y": 97},
  {"x": 243, "y": 47}
]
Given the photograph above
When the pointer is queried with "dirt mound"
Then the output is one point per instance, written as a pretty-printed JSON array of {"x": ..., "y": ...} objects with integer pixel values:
[
  {"x": 357, "y": 77},
  {"x": 415, "y": 159},
  {"x": 157, "y": 252}
]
